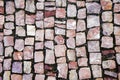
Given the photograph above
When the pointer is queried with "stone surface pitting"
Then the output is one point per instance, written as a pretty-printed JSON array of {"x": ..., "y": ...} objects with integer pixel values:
[{"x": 59, "y": 39}]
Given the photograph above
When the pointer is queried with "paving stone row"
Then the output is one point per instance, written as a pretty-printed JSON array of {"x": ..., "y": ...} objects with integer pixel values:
[{"x": 59, "y": 40}]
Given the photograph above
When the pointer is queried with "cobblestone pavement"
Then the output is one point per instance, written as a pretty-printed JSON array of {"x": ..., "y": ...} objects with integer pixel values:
[{"x": 59, "y": 39}]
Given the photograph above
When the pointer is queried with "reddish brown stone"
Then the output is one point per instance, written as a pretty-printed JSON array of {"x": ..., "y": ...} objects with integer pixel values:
[
  {"x": 17, "y": 55},
  {"x": 106, "y": 4},
  {"x": 116, "y": 19},
  {"x": 72, "y": 65},
  {"x": 1, "y": 10},
  {"x": 49, "y": 13},
  {"x": 30, "y": 19},
  {"x": 16, "y": 77},
  {"x": 106, "y": 52},
  {"x": 117, "y": 8}
]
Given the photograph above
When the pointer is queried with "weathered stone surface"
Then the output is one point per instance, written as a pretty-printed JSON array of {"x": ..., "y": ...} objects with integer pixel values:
[
  {"x": 116, "y": 19},
  {"x": 19, "y": 4},
  {"x": 20, "y": 31},
  {"x": 93, "y": 21},
  {"x": 93, "y": 46},
  {"x": 118, "y": 58},
  {"x": 39, "y": 45},
  {"x": 71, "y": 24},
  {"x": 20, "y": 17},
  {"x": 16, "y": 77},
  {"x": 110, "y": 73},
  {"x": 29, "y": 41},
  {"x": 38, "y": 56},
  {"x": 49, "y": 22},
  {"x": 10, "y": 7},
  {"x": 39, "y": 24},
  {"x": 71, "y": 10},
  {"x": 83, "y": 62},
  {"x": 73, "y": 75},
  {"x": 7, "y": 64},
  {"x": 110, "y": 64},
  {"x": 116, "y": 30},
  {"x": 1, "y": 20},
  {"x": 39, "y": 68},
  {"x": 9, "y": 18},
  {"x": 80, "y": 3},
  {"x": 39, "y": 77},
  {"x": 106, "y": 4},
  {"x": 81, "y": 26},
  {"x": 71, "y": 43},
  {"x": 71, "y": 55},
  {"x": 71, "y": 33},
  {"x": 60, "y": 13},
  {"x": 81, "y": 13},
  {"x": 28, "y": 52},
  {"x": 60, "y": 50},
  {"x": 29, "y": 19},
  {"x": 63, "y": 69},
  {"x": 84, "y": 73},
  {"x": 30, "y": 6},
  {"x": 61, "y": 3},
  {"x": 95, "y": 58},
  {"x": 117, "y": 8},
  {"x": 59, "y": 31},
  {"x": 49, "y": 44},
  {"x": 27, "y": 67},
  {"x": 107, "y": 16},
  {"x": 81, "y": 51},
  {"x": 6, "y": 75},
  {"x": 59, "y": 39},
  {"x": 17, "y": 67},
  {"x": 19, "y": 44},
  {"x": 27, "y": 77},
  {"x": 8, "y": 41},
  {"x": 93, "y": 33},
  {"x": 80, "y": 38},
  {"x": 1, "y": 48},
  {"x": 93, "y": 7},
  {"x": 97, "y": 71},
  {"x": 18, "y": 55},
  {"x": 117, "y": 40},
  {"x": 49, "y": 57},
  {"x": 39, "y": 35},
  {"x": 107, "y": 42},
  {"x": 30, "y": 30},
  {"x": 106, "y": 30},
  {"x": 72, "y": 65},
  {"x": 39, "y": 15},
  {"x": 7, "y": 32},
  {"x": 61, "y": 60},
  {"x": 40, "y": 5},
  {"x": 8, "y": 51},
  {"x": 9, "y": 25},
  {"x": 49, "y": 34}
]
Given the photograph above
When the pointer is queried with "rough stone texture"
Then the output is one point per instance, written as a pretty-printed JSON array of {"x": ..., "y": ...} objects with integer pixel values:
[
  {"x": 95, "y": 58},
  {"x": 19, "y": 44},
  {"x": 50, "y": 58},
  {"x": 107, "y": 42},
  {"x": 81, "y": 13},
  {"x": 107, "y": 16},
  {"x": 84, "y": 73},
  {"x": 80, "y": 38},
  {"x": 60, "y": 50},
  {"x": 93, "y": 46},
  {"x": 109, "y": 64},
  {"x": 116, "y": 19},
  {"x": 59, "y": 39},
  {"x": 93, "y": 21},
  {"x": 97, "y": 71},
  {"x": 93, "y": 33},
  {"x": 62, "y": 68},
  {"x": 93, "y": 7},
  {"x": 71, "y": 10},
  {"x": 106, "y": 30},
  {"x": 20, "y": 17}
]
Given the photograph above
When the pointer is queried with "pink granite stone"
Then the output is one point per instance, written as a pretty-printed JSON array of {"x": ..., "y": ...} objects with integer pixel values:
[
  {"x": 19, "y": 44},
  {"x": 38, "y": 56},
  {"x": 39, "y": 68},
  {"x": 83, "y": 62},
  {"x": 18, "y": 55},
  {"x": 84, "y": 73},
  {"x": 71, "y": 43},
  {"x": 16, "y": 77},
  {"x": 59, "y": 39},
  {"x": 81, "y": 51},
  {"x": 60, "y": 50},
  {"x": 8, "y": 41},
  {"x": 60, "y": 13}
]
